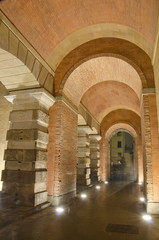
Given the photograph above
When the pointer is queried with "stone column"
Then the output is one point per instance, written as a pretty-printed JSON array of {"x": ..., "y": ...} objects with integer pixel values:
[
  {"x": 62, "y": 152},
  {"x": 25, "y": 174},
  {"x": 83, "y": 162},
  {"x": 94, "y": 158},
  {"x": 5, "y": 108},
  {"x": 151, "y": 150}
]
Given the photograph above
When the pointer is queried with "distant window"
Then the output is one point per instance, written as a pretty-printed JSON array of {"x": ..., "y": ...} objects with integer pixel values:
[
  {"x": 119, "y": 154},
  {"x": 118, "y": 133},
  {"x": 119, "y": 144}
]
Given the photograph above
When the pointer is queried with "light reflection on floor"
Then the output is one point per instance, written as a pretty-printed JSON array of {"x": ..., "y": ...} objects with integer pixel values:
[{"x": 115, "y": 203}]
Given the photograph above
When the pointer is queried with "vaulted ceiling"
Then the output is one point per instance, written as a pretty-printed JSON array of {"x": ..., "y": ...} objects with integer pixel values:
[{"x": 95, "y": 53}]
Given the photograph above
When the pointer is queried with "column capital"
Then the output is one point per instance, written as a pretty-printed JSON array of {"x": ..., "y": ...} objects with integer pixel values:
[
  {"x": 147, "y": 91},
  {"x": 40, "y": 95},
  {"x": 84, "y": 128},
  {"x": 95, "y": 136},
  {"x": 64, "y": 100}
]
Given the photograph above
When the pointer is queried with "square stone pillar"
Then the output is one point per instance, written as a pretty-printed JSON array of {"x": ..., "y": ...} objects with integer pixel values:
[
  {"x": 151, "y": 152},
  {"x": 94, "y": 158},
  {"x": 5, "y": 108},
  {"x": 83, "y": 162},
  {"x": 25, "y": 174},
  {"x": 62, "y": 152}
]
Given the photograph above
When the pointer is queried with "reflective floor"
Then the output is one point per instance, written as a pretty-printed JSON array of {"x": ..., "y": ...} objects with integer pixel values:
[{"x": 116, "y": 203}]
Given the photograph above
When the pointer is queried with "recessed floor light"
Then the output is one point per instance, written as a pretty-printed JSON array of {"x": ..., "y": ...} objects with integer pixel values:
[
  {"x": 83, "y": 196},
  {"x": 106, "y": 182},
  {"x": 142, "y": 199},
  {"x": 97, "y": 187},
  {"x": 59, "y": 209},
  {"x": 147, "y": 217}
]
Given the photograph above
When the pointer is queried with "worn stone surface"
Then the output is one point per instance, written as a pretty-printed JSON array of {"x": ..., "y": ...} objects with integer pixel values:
[
  {"x": 25, "y": 174},
  {"x": 23, "y": 155},
  {"x": 5, "y": 108},
  {"x": 83, "y": 162}
]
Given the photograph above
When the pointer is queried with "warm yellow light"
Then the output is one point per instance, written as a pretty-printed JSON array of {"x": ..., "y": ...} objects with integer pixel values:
[{"x": 97, "y": 187}]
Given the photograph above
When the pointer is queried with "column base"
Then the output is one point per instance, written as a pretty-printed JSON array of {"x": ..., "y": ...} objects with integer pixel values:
[
  {"x": 62, "y": 199},
  {"x": 152, "y": 208}
]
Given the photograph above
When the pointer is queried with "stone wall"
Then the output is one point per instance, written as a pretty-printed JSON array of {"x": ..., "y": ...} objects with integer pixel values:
[{"x": 5, "y": 108}]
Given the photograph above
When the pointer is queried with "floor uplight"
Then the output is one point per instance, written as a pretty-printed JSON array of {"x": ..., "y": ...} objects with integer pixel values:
[
  {"x": 83, "y": 196},
  {"x": 106, "y": 182},
  {"x": 142, "y": 199},
  {"x": 147, "y": 217},
  {"x": 140, "y": 183},
  {"x": 59, "y": 210},
  {"x": 97, "y": 187}
]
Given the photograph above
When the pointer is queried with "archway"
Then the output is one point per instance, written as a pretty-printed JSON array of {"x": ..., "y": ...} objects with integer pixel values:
[{"x": 122, "y": 164}]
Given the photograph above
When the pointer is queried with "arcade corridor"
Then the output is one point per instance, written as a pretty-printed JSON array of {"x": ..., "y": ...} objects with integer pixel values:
[
  {"x": 89, "y": 219},
  {"x": 73, "y": 75}
]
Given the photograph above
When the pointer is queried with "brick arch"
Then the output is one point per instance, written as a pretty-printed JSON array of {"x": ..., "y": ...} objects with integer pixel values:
[
  {"x": 104, "y": 97},
  {"x": 98, "y": 70},
  {"x": 17, "y": 47},
  {"x": 92, "y": 32},
  {"x": 125, "y": 116},
  {"x": 120, "y": 127},
  {"x": 105, "y": 151},
  {"x": 118, "y": 48}
]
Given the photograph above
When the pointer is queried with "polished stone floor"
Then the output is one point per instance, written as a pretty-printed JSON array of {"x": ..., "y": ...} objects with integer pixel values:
[{"x": 115, "y": 203}]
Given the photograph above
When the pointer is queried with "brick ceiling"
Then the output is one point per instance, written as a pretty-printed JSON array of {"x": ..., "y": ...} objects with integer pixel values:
[{"x": 46, "y": 23}]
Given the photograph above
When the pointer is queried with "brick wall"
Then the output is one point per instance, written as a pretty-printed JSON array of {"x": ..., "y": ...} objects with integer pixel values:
[
  {"x": 62, "y": 150},
  {"x": 104, "y": 159},
  {"x": 151, "y": 147}
]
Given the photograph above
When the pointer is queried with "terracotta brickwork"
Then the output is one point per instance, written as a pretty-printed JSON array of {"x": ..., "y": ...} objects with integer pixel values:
[
  {"x": 59, "y": 21},
  {"x": 62, "y": 150},
  {"x": 104, "y": 165},
  {"x": 151, "y": 148}
]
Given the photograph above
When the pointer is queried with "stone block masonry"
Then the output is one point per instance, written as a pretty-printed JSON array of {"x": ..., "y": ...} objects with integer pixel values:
[
  {"x": 25, "y": 174},
  {"x": 94, "y": 158}
]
